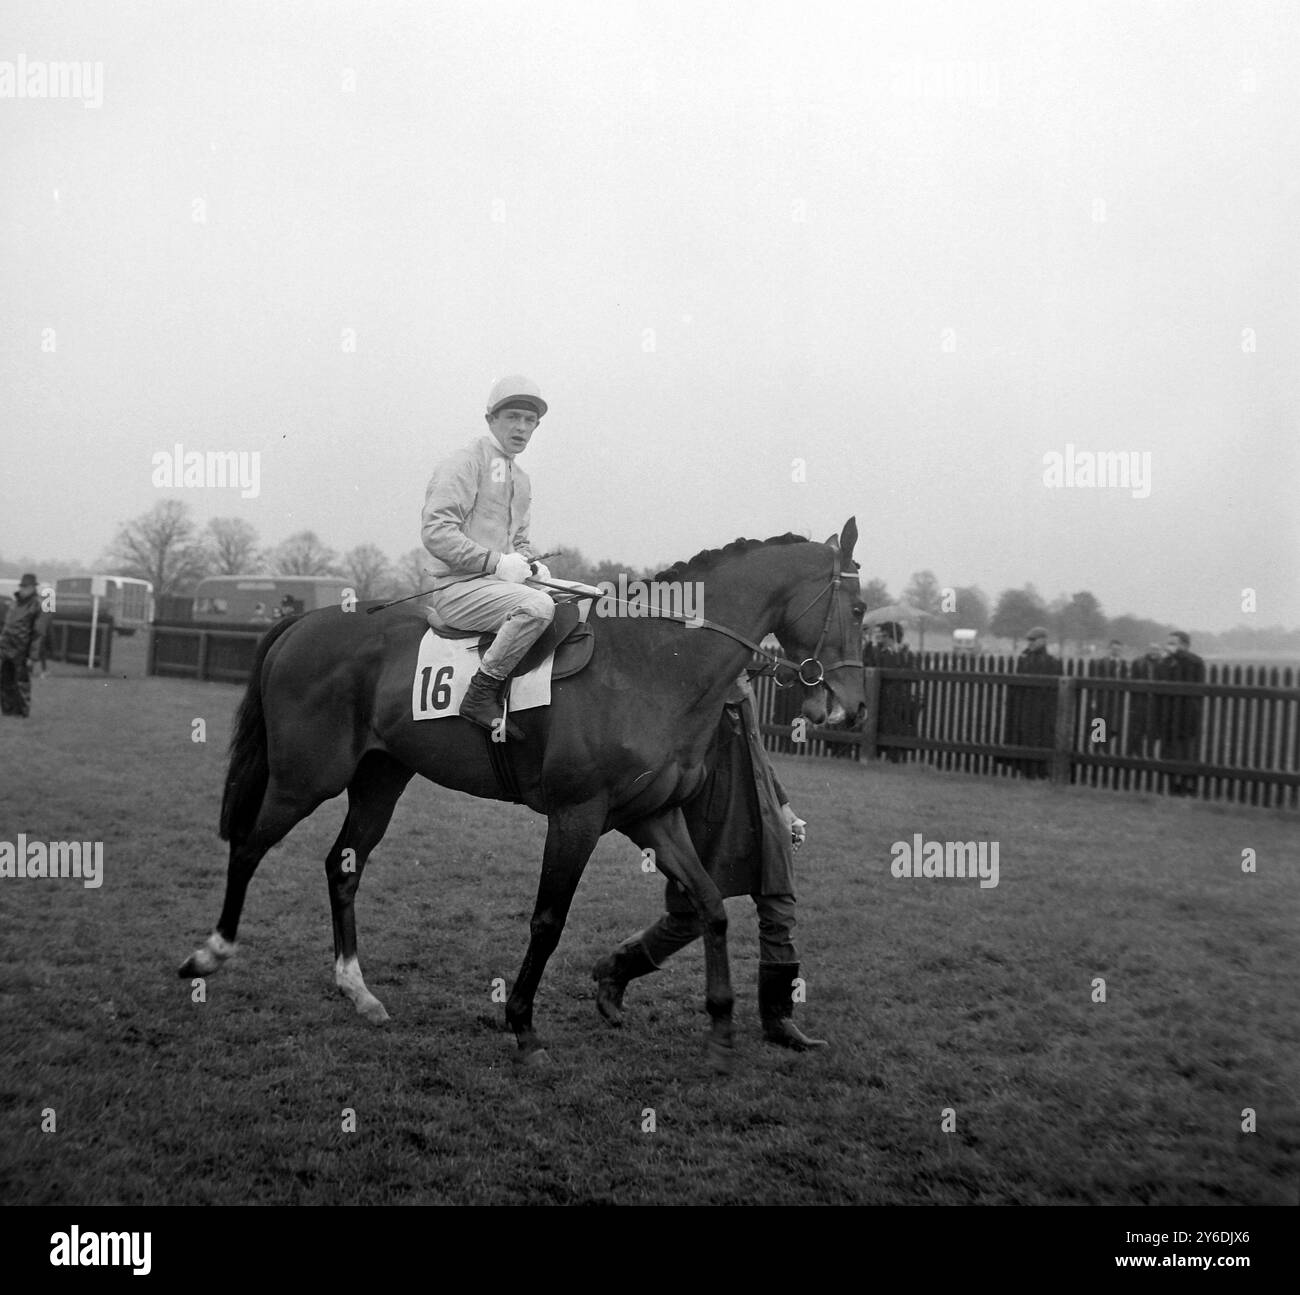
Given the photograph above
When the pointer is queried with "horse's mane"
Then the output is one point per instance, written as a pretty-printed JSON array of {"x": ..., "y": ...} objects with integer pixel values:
[{"x": 707, "y": 559}]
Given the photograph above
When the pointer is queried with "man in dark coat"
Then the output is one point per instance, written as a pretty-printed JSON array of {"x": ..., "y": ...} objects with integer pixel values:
[
  {"x": 1031, "y": 712},
  {"x": 1180, "y": 715},
  {"x": 899, "y": 704},
  {"x": 744, "y": 832},
  {"x": 1107, "y": 705},
  {"x": 20, "y": 647},
  {"x": 1143, "y": 721}
]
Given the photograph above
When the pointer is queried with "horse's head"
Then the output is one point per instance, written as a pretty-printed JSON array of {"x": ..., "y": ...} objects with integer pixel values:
[{"x": 820, "y": 626}]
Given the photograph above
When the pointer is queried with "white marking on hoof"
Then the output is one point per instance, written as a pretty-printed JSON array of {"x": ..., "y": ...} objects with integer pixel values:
[
  {"x": 206, "y": 960},
  {"x": 538, "y": 1058},
  {"x": 347, "y": 976}
]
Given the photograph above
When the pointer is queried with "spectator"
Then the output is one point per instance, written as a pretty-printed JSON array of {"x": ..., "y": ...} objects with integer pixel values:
[
  {"x": 21, "y": 640},
  {"x": 1031, "y": 712},
  {"x": 1180, "y": 715},
  {"x": 899, "y": 701},
  {"x": 1107, "y": 704},
  {"x": 1143, "y": 723}
]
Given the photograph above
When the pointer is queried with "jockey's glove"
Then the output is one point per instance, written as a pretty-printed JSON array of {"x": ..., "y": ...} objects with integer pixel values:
[
  {"x": 540, "y": 570},
  {"x": 513, "y": 567}
]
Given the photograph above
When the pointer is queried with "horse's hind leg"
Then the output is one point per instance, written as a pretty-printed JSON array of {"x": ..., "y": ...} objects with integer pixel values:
[
  {"x": 279, "y": 813},
  {"x": 667, "y": 834},
  {"x": 372, "y": 795}
]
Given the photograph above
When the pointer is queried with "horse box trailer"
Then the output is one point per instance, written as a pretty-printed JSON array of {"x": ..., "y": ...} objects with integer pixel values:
[
  {"x": 128, "y": 600},
  {"x": 259, "y": 600}
]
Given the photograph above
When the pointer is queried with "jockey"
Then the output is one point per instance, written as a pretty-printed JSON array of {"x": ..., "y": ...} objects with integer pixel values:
[{"x": 475, "y": 527}]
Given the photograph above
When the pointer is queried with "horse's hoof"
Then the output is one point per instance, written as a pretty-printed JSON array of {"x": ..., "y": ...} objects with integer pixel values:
[
  {"x": 537, "y": 1059},
  {"x": 202, "y": 962},
  {"x": 722, "y": 1057},
  {"x": 206, "y": 960},
  {"x": 373, "y": 1012}
]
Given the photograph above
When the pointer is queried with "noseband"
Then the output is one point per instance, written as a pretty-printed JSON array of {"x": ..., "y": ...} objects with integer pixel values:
[{"x": 832, "y": 609}]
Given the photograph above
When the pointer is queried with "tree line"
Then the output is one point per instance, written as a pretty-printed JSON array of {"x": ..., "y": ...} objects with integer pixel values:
[
  {"x": 1075, "y": 622},
  {"x": 166, "y": 547}
]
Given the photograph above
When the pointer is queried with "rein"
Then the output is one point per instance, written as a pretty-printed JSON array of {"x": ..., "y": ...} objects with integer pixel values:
[{"x": 772, "y": 661}]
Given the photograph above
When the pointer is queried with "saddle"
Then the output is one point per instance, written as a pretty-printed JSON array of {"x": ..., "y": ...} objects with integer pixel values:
[{"x": 568, "y": 637}]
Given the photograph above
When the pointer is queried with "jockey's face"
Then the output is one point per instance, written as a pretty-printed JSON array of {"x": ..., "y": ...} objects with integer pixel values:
[{"x": 513, "y": 428}]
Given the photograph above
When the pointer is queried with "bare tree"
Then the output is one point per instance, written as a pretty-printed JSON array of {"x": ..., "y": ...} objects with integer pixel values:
[
  {"x": 232, "y": 547},
  {"x": 875, "y": 593},
  {"x": 1083, "y": 621},
  {"x": 972, "y": 609},
  {"x": 410, "y": 576},
  {"x": 923, "y": 593},
  {"x": 303, "y": 554},
  {"x": 568, "y": 563},
  {"x": 1018, "y": 610},
  {"x": 369, "y": 570},
  {"x": 160, "y": 546}
]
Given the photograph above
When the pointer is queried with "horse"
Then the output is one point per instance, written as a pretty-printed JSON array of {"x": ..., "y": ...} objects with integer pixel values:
[{"x": 622, "y": 746}]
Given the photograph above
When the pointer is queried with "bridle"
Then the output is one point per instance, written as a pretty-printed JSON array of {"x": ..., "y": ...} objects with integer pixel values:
[
  {"x": 833, "y": 609},
  {"x": 772, "y": 661}
]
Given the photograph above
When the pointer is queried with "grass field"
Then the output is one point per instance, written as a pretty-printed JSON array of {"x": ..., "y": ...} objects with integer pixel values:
[{"x": 936, "y": 994}]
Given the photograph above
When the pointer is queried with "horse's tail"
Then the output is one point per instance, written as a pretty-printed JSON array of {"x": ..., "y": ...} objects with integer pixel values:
[{"x": 247, "y": 774}]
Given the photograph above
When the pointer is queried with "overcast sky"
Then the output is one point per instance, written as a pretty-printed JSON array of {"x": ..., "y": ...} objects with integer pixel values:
[{"x": 772, "y": 265}]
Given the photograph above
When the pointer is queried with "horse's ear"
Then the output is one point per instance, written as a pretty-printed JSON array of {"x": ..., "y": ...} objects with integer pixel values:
[
  {"x": 848, "y": 538},
  {"x": 832, "y": 541}
]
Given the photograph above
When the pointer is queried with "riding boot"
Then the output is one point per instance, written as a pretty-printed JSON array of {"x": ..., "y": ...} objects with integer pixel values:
[
  {"x": 776, "y": 1006},
  {"x": 612, "y": 973},
  {"x": 482, "y": 705}
]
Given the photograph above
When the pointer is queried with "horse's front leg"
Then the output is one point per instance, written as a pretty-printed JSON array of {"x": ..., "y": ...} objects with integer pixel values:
[
  {"x": 670, "y": 839},
  {"x": 570, "y": 839}
]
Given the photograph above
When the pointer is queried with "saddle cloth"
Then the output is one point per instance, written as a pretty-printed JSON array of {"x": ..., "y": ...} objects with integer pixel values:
[{"x": 445, "y": 665}]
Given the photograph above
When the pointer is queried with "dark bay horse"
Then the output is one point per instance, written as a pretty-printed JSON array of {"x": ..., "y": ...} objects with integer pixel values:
[{"x": 621, "y": 747}]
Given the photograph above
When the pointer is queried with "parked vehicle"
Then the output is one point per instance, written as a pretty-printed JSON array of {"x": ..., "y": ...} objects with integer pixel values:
[
  {"x": 128, "y": 600},
  {"x": 259, "y": 600}
]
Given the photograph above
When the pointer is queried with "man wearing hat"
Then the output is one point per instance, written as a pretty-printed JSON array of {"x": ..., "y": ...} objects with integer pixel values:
[
  {"x": 475, "y": 528},
  {"x": 20, "y": 648},
  {"x": 899, "y": 704},
  {"x": 1031, "y": 712}
]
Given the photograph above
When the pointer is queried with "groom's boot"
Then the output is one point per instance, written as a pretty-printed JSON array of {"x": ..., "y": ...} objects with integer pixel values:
[
  {"x": 612, "y": 973},
  {"x": 776, "y": 1006}
]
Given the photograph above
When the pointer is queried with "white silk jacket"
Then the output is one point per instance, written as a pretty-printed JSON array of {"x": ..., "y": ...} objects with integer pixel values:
[{"x": 475, "y": 509}]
